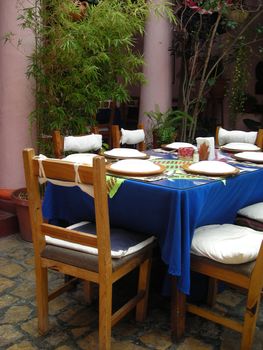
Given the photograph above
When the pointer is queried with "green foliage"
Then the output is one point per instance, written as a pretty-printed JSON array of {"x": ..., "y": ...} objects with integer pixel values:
[
  {"x": 82, "y": 57},
  {"x": 77, "y": 64},
  {"x": 167, "y": 125},
  {"x": 237, "y": 92},
  {"x": 206, "y": 40}
]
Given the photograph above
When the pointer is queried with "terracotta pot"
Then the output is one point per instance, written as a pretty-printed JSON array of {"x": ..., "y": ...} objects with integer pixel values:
[{"x": 19, "y": 198}]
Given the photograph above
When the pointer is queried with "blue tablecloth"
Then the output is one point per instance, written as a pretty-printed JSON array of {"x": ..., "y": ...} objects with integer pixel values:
[{"x": 171, "y": 210}]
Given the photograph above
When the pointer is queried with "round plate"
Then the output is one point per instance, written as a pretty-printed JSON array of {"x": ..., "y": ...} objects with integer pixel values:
[
  {"x": 175, "y": 145},
  {"x": 135, "y": 167},
  {"x": 211, "y": 169},
  {"x": 236, "y": 147},
  {"x": 85, "y": 158},
  {"x": 125, "y": 153},
  {"x": 255, "y": 157}
]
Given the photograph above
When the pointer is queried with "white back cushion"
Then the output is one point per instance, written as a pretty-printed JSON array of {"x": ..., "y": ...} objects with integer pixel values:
[
  {"x": 253, "y": 211},
  {"x": 132, "y": 137},
  {"x": 85, "y": 143},
  {"x": 226, "y": 136},
  {"x": 228, "y": 244}
]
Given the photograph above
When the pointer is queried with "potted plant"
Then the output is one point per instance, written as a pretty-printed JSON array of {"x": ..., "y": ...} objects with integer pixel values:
[
  {"x": 20, "y": 199},
  {"x": 167, "y": 126}
]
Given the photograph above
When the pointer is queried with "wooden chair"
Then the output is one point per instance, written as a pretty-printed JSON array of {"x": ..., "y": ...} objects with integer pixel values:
[
  {"x": 130, "y": 112},
  {"x": 58, "y": 143},
  {"x": 251, "y": 216},
  {"x": 104, "y": 120},
  {"x": 98, "y": 267},
  {"x": 258, "y": 134},
  {"x": 247, "y": 276},
  {"x": 116, "y": 138}
]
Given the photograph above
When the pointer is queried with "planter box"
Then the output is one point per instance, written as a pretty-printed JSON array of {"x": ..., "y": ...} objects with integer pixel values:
[{"x": 22, "y": 212}]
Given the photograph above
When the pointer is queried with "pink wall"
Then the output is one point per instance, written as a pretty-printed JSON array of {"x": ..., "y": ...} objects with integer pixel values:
[
  {"x": 16, "y": 99},
  {"x": 157, "y": 67}
]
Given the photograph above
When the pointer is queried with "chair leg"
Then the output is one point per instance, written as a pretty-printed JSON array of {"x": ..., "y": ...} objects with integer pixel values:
[
  {"x": 212, "y": 291},
  {"x": 87, "y": 289},
  {"x": 250, "y": 321},
  {"x": 105, "y": 313},
  {"x": 42, "y": 299},
  {"x": 143, "y": 286}
]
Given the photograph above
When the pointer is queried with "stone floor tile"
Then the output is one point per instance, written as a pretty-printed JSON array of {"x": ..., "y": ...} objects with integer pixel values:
[
  {"x": 24, "y": 290},
  {"x": 9, "y": 335},
  {"x": 126, "y": 345},
  {"x": 90, "y": 342},
  {"x": 23, "y": 345},
  {"x": 79, "y": 331},
  {"x": 30, "y": 327},
  {"x": 230, "y": 298},
  {"x": 156, "y": 339},
  {"x": 6, "y": 300},
  {"x": 56, "y": 338},
  {"x": 194, "y": 344},
  {"x": 5, "y": 283},
  {"x": 11, "y": 270},
  {"x": 16, "y": 314}
]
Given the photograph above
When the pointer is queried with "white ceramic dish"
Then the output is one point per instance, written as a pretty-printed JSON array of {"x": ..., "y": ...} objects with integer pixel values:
[
  {"x": 255, "y": 157},
  {"x": 240, "y": 147},
  {"x": 176, "y": 145},
  {"x": 211, "y": 168},
  {"x": 84, "y": 158},
  {"x": 124, "y": 153},
  {"x": 135, "y": 167}
]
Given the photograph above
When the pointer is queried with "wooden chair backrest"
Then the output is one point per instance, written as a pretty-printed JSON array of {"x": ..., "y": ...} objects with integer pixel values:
[
  {"x": 55, "y": 169},
  {"x": 116, "y": 137},
  {"x": 104, "y": 128},
  {"x": 58, "y": 144},
  {"x": 259, "y": 139}
]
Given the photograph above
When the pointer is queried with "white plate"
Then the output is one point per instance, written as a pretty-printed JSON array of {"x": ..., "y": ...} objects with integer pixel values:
[
  {"x": 85, "y": 158},
  {"x": 256, "y": 157},
  {"x": 123, "y": 153},
  {"x": 135, "y": 167},
  {"x": 239, "y": 147},
  {"x": 176, "y": 145},
  {"x": 211, "y": 168}
]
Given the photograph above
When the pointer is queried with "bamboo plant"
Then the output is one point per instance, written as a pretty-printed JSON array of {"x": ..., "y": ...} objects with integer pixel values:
[{"x": 85, "y": 52}]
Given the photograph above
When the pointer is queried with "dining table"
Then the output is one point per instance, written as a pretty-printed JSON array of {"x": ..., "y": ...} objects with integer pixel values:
[{"x": 170, "y": 206}]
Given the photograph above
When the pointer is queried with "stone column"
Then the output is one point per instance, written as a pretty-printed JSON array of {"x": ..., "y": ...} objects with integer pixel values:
[
  {"x": 157, "y": 67},
  {"x": 16, "y": 98}
]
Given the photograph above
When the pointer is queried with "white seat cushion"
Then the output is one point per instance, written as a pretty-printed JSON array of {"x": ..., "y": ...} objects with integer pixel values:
[
  {"x": 123, "y": 242},
  {"x": 228, "y": 244},
  {"x": 253, "y": 211}
]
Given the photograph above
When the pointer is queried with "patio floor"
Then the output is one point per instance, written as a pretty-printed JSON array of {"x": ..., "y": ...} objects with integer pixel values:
[{"x": 74, "y": 324}]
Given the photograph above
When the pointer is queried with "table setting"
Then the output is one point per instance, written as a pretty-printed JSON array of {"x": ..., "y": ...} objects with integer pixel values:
[{"x": 170, "y": 203}]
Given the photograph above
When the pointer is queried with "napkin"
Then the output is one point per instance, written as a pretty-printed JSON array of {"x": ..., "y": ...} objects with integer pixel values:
[{"x": 210, "y": 142}]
